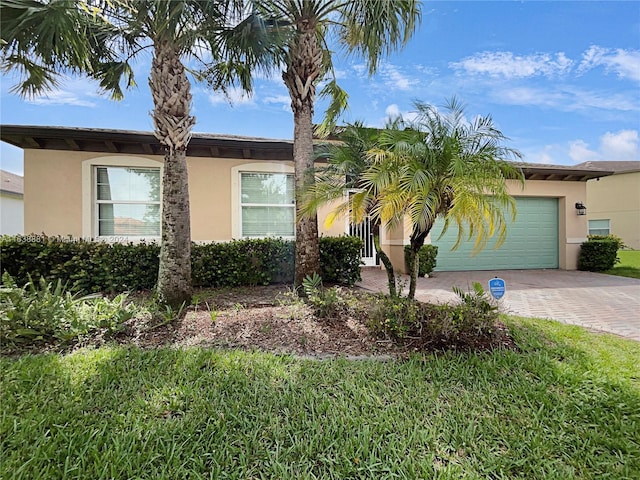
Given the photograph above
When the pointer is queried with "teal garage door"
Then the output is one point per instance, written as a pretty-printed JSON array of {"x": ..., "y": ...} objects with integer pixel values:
[{"x": 532, "y": 241}]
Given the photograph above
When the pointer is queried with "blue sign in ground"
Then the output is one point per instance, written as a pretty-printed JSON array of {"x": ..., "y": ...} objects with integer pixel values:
[{"x": 497, "y": 287}]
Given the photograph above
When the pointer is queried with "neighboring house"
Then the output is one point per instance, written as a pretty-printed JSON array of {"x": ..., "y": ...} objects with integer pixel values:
[
  {"x": 11, "y": 204},
  {"x": 613, "y": 202},
  {"x": 105, "y": 184}
]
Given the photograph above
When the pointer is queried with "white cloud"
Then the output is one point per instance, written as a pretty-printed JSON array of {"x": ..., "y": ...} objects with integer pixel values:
[
  {"x": 565, "y": 98},
  {"x": 529, "y": 96},
  {"x": 509, "y": 65},
  {"x": 283, "y": 100},
  {"x": 425, "y": 70},
  {"x": 340, "y": 74},
  {"x": 233, "y": 96},
  {"x": 620, "y": 101},
  {"x": 74, "y": 91},
  {"x": 622, "y": 145},
  {"x": 392, "y": 110},
  {"x": 579, "y": 151},
  {"x": 62, "y": 97},
  {"x": 624, "y": 63},
  {"x": 546, "y": 155},
  {"x": 394, "y": 78},
  {"x": 361, "y": 70}
]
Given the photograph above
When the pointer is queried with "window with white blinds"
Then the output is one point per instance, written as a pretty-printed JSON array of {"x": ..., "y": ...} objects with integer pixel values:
[
  {"x": 127, "y": 202},
  {"x": 267, "y": 202},
  {"x": 599, "y": 227}
]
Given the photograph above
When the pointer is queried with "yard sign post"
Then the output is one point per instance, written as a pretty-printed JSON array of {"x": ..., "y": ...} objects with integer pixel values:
[{"x": 497, "y": 287}]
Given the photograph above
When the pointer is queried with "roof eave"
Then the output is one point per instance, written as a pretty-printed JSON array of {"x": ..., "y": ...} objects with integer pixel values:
[
  {"x": 142, "y": 143},
  {"x": 212, "y": 146}
]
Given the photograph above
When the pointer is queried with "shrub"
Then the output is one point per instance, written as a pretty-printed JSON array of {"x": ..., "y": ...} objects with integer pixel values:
[
  {"x": 242, "y": 262},
  {"x": 89, "y": 267},
  {"x": 46, "y": 311},
  {"x": 393, "y": 317},
  {"x": 83, "y": 266},
  {"x": 427, "y": 259},
  {"x": 340, "y": 259},
  {"x": 401, "y": 319},
  {"x": 599, "y": 253},
  {"x": 475, "y": 314},
  {"x": 332, "y": 302}
]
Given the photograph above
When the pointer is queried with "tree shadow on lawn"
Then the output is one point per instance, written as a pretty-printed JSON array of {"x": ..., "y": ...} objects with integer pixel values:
[{"x": 549, "y": 410}]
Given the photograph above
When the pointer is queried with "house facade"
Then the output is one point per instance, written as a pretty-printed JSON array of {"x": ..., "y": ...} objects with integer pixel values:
[
  {"x": 614, "y": 201},
  {"x": 11, "y": 203},
  {"x": 106, "y": 184}
]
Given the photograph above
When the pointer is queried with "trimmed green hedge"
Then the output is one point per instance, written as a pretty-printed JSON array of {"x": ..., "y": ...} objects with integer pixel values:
[
  {"x": 427, "y": 259},
  {"x": 599, "y": 253},
  {"x": 87, "y": 266},
  {"x": 340, "y": 259}
]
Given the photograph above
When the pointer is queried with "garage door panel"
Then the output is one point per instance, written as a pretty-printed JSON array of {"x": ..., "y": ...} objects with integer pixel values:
[{"x": 532, "y": 241}]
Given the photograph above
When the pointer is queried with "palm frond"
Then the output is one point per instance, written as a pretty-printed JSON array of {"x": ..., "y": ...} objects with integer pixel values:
[{"x": 338, "y": 102}]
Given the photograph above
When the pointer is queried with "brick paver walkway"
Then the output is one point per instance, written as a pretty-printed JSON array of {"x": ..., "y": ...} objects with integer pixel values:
[{"x": 598, "y": 301}]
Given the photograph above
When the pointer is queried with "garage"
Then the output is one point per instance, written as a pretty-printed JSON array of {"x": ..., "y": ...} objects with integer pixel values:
[{"x": 532, "y": 241}]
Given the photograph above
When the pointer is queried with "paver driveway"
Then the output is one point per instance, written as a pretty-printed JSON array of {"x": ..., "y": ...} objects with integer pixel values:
[{"x": 594, "y": 300}]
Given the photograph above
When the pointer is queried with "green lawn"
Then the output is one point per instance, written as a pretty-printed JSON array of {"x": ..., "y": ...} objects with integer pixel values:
[
  {"x": 567, "y": 405},
  {"x": 629, "y": 265}
]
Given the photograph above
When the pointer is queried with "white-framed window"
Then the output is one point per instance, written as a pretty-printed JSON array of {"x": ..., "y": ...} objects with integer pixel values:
[
  {"x": 267, "y": 203},
  {"x": 121, "y": 198},
  {"x": 127, "y": 201},
  {"x": 599, "y": 227},
  {"x": 263, "y": 200}
]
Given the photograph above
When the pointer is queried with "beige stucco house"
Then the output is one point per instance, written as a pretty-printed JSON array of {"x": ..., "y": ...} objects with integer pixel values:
[
  {"x": 614, "y": 201},
  {"x": 105, "y": 184},
  {"x": 11, "y": 204}
]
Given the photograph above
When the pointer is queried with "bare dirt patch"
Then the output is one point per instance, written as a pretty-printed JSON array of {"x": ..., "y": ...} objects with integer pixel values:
[
  {"x": 268, "y": 319},
  {"x": 262, "y": 318}
]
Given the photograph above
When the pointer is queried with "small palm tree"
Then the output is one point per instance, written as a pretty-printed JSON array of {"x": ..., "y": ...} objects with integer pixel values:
[
  {"x": 436, "y": 165},
  {"x": 371, "y": 28},
  {"x": 42, "y": 39},
  {"x": 342, "y": 180}
]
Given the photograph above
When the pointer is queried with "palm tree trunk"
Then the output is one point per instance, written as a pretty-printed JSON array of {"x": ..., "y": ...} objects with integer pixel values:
[
  {"x": 391, "y": 276},
  {"x": 171, "y": 93},
  {"x": 417, "y": 241},
  {"x": 413, "y": 273},
  {"x": 307, "y": 251},
  {"x": 304, "y": 66}
]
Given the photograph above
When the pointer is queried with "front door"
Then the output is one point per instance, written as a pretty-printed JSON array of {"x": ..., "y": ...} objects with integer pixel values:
[{"x": 365, "y": 233}]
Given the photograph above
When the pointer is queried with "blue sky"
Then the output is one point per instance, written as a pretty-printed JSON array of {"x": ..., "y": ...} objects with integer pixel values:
[{"x": 560, "y": 79}]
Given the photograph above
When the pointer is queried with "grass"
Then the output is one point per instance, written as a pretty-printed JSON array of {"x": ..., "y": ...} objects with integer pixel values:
[
  {"x": 629, "y": 265},
  {"x": 567, "y": 405}
]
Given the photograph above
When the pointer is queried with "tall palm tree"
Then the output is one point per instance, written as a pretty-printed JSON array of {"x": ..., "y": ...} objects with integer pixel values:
[
  {"x": 100, "y": 39},
  {"x": 436, "y": 165},
  {"x": 372, "y": 28}
]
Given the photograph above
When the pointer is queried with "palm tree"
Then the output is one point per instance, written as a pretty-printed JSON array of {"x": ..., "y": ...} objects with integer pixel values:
[
  {"x": 436, "y": 165},
  {"x": 346, "y": 163},
  {"x": 372, "y": 28},
  {"x": 101, "y": 39}
]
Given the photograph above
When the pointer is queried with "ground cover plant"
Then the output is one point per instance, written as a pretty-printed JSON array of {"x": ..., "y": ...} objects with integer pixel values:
[
  {"x": 564, "y": 404},
  {"x": 315, "y": 319},
  {"x": 46, "y": 312},
  {"x": 629, "y": 265}
]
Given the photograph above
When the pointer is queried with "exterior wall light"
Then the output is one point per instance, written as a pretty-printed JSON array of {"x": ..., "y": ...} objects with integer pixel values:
[{"x": 582, "y": 210}]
